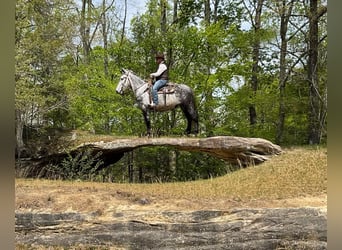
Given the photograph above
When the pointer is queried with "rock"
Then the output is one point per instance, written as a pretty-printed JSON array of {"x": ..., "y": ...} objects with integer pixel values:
[{"x": 281, "y": 228}]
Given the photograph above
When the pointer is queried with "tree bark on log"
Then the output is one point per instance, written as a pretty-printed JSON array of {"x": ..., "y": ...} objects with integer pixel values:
[{"x": 235, "y": 150}]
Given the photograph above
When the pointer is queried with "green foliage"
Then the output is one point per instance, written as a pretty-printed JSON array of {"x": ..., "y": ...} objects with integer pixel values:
[
  {"x": 41, "y": 34},
  {"x": 164, "y": 164},
  {"x": 81, "y": 166},
  {"x": 91, "y": 96},
  {"x": 201, "y": 166}
]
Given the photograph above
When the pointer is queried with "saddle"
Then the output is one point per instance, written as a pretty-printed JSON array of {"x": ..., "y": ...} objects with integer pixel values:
[{"x": 169, "y": 88}]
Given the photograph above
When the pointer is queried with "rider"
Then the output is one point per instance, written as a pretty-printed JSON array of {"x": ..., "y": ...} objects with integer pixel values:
[{"x": 161, "y": 76}]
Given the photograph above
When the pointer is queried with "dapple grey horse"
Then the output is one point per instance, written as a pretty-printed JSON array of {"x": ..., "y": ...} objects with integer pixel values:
[{"x": 182, "y": 96}]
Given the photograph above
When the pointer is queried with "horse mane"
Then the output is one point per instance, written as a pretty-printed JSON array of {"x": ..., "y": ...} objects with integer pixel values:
[{"x": 135, "y": 76}]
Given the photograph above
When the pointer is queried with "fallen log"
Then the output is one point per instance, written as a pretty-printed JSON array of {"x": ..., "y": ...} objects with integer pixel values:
[{"x": 235, "y": 150}]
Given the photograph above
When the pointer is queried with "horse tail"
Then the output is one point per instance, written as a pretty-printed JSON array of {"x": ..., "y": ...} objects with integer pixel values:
[{"x": 193, "y": 105}]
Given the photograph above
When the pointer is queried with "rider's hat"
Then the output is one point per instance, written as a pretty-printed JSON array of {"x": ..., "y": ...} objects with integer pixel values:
[{"x": 160, "y": 55}]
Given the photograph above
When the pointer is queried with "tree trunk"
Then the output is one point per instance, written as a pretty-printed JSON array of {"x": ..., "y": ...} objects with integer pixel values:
[
  {"x": 285, "y": 13},
  {"x": 216, "y": 5},
  {"x": 105, "y": 37},
  {"x": 130, "y": 166},
  {"x": 170, "y": 60},
  {"x": 255, "y": 58},
  {"x": 85, "y": 28},
  {"x": 163, "y": 16},
  {"x": 314, "y": 136},
  {"x": 173, "y": 162},
  {"x": 19, "y": 133},
  {"x": 124, "y": 24},
  {"x": 207, "y": 12},
  {"x": 175, "y": 10}
]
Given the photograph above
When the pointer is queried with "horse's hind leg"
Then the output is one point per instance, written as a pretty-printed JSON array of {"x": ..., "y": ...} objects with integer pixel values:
[{"x": 191, "y": 116}]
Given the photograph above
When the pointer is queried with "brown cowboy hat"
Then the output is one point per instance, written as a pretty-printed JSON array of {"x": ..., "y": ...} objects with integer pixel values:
[{"x": 160, "y": 55}]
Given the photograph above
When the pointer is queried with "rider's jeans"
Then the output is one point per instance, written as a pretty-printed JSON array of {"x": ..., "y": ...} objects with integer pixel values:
[{"x": 156, "y": 86}]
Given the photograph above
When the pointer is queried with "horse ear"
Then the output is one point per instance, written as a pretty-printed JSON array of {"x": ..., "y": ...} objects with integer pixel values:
[{"x": 123, "y": 71}]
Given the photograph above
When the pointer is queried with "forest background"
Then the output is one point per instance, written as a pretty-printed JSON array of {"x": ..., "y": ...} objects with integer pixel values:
[{"x": 258, "y": 69}]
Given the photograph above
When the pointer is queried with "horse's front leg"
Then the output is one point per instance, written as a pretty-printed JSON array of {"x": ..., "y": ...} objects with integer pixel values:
[{"x": 147, "y": 120}]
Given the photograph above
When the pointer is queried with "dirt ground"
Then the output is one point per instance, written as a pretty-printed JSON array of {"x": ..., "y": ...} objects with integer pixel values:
[{"x": 106, "y": 200}]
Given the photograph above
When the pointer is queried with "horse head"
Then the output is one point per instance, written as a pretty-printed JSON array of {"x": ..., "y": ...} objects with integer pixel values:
[{"x": 124, "y": 82}]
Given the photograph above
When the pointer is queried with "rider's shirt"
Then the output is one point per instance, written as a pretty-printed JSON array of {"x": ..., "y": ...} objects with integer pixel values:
[{"x": 161, "y": 73}]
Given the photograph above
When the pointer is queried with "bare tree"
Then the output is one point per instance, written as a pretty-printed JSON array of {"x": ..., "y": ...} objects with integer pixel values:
[
  {"x": 315, "y": 114},
  {"x": 85, "y": 28},
  {"x": 255, "y": 18},
  {"x": 105, "y": 37},
  {"x": 285, "y": 10},
  {"x": 163, "y": 9},
  {"x": 105, "y": 30},
  {"x": 124, "y": 24}
]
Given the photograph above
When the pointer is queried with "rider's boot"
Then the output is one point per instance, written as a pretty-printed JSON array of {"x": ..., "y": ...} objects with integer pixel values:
[{"x": 153, "y": 105}]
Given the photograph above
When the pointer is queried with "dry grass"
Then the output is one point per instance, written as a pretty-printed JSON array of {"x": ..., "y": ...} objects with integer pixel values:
[
  {"x": 78, "y": 247},
  {"x": 298, "y": 177}
]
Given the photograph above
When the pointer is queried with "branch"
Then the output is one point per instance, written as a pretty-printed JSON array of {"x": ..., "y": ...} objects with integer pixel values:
[
  {"x": 322, "y": 39},
  {"x": 321, "y": 11},
  {"x": 99, "y": 20},
  {"x": 249, "y": 13},
  {"x": 299, "y": 59},
  {"x": 298, "y": 29}
]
